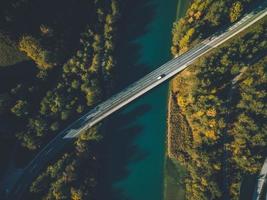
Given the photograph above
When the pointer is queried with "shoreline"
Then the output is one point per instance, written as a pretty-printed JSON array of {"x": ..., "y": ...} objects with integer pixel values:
[
  {"x": 168, "y": 130},
  {"x": 168, "y": 159}
]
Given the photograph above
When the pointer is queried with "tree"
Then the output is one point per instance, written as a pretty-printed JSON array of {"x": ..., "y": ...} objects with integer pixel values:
[
  {"x": 38, "y": 126},
  {"x": 20, "y": 108},
  {"x": 114, "y": 8},
  {"x": 28, "y": 140},
  {"x": 40, "y": 184},
  {"x": 95, "y": 64},
  {"x": 109, "y": 64},
  {"x": 236, "y": 11},
  {"x": 92, "y": 96},
  {"x": 65, "y": 114},
  {"x": 36, "y": 52},
  {"x": 46, "y": 30},
  {"x": 54, "y": 126},
  {"x": 80, "y": 109},
  {"x": 76, "y": 194},
  {"x": 184, "y": 42},
  {"x": 216, "y": 13},
  {"x": 75, "y": 84}
]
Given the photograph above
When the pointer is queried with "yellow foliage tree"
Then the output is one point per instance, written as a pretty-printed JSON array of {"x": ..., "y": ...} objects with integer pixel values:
[
  {"x": 186, "y": 39},
  {"x": 204, "y": 181},
  {"x": 199, "y": 113},
  {"x": 236, "y": 11},
  {"x": 197, "y": 15},
  {"x": 75, "y": 194},
  {"x": 33, "y": 49},
  {"x": 217, "y": 166},
  {"x": 212, "y": 123},
  {"x": 181, "y": 101},
  {"x": 248, "y": 81},
  {"x": 196, "y": 137},
  {"x": 211, "y": 134},
  {"x": 211, "y": 112}
]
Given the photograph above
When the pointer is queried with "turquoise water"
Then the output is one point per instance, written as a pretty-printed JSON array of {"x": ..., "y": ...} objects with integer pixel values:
[{"x": 136, "y": 138}]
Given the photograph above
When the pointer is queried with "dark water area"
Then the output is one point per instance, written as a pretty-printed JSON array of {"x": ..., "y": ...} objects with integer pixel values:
[{"x": 134, "y": 142}]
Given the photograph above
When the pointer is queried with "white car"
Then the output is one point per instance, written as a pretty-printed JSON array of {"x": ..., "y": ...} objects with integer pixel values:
[{"x": 161, "y": 76}]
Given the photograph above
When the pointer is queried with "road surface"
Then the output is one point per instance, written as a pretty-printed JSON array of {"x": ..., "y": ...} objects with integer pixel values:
[{"x": 129, "y": 94}]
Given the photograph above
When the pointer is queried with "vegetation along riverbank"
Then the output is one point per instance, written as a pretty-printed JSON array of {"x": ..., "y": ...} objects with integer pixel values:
[{"x": 217, "y": 107}]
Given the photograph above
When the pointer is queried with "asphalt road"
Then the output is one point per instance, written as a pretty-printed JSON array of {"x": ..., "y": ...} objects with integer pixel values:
[{"x": 129, "y": 94}]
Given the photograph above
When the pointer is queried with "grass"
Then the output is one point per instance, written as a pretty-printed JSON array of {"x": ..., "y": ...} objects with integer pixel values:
[
  {"x": 9, "y": 53},
  {"x": 174, "y": 173},
  {"x": 181, "y": 8},
  {"x": 173, "y": 180}
]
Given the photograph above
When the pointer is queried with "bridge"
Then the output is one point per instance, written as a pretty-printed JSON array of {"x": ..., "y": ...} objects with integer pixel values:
[{"x": 132, "y": 92}]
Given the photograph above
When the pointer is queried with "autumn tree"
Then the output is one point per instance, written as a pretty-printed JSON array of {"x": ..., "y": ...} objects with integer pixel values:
[
  {"x": 20, "y": 108},
  {"x": 36, "y": 52},
  {"x": 236, "y": 11}
]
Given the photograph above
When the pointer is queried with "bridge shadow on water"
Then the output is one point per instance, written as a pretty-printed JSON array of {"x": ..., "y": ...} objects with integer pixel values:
[
  {"x": 118, "y": 151},
  {"x": 117, "y": 148}
]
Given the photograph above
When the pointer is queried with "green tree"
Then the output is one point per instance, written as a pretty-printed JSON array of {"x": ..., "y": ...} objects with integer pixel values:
[
  {"x": 54, "y": 126},
  {"x": 38, "y": 126},
  {"x": 20, "y": 108},
  {"x": 92, "y": 96}
]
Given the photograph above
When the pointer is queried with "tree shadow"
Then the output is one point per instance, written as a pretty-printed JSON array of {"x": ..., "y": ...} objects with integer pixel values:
[
  {"x": 16, "y": 78},
  {"x": 66, "y": 19},
  {"x": 135, "y": 18},
  {"x": 118, "y": 151},
  {"x": 117, "y": 148},
  {"x": 15, "y": 74},
  {"x": 247, "y": 187}
]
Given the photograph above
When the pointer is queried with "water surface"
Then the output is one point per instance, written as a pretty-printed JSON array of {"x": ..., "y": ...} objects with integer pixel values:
[{"x": 136, "y": 135}]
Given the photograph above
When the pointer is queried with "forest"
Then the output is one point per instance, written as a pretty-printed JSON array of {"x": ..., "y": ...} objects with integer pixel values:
[
  {"x": 70, "y": 64},
  {"x": 218, "y": 116},
  {"x": 204, "y": 18}
]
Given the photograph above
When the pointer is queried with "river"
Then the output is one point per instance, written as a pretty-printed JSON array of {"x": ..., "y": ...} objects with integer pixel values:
[{"x": 135, "y": 137}]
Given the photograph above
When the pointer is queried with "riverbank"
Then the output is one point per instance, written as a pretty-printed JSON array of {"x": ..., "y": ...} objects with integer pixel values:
[
  {"x": 201, "y": 106},
  {"x": 173, "y": 171},
  {"x": 168, "y": 123}
]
